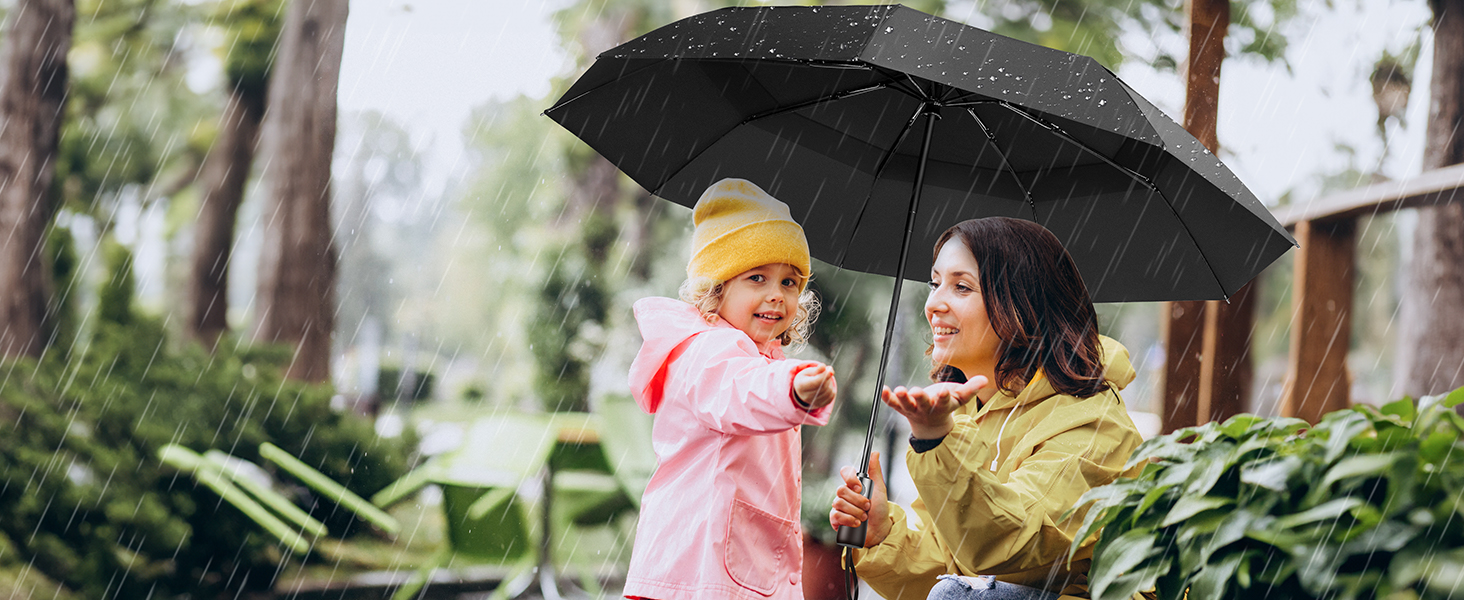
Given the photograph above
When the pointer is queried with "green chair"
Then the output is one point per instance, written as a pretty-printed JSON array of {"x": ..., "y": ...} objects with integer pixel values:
[
  {"x": 625, "y": 437},
  {"x": 247, "y": 487},
  {"x": 487, "y": 521}
]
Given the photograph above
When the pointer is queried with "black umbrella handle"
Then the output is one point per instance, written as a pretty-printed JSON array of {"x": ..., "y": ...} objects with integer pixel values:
[{"x": 853, "y": 537}]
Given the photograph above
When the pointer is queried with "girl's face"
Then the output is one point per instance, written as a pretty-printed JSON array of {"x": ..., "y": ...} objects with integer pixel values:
[
  {"x": 963, "y": 335},
  {"x": 762, "y": 301}
]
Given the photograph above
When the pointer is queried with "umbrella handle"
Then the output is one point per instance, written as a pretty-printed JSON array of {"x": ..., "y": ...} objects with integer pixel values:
[{"x": 853, "y": 537}]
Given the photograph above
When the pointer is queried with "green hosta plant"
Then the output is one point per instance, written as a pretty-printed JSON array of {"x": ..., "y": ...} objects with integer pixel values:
[{"x": 1369, "y": 503}]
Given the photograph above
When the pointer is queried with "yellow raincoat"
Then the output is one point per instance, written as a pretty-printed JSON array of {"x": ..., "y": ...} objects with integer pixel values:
[{"x": 975, "y": 519}]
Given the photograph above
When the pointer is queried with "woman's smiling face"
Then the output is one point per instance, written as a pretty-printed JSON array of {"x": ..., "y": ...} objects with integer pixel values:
[
  {"x": 762, "y": 301},
  {"x": 963, "y": 335}
]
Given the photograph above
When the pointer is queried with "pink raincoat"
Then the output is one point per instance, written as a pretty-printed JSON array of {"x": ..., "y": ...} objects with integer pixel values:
[{"x": 719, "y": 518}]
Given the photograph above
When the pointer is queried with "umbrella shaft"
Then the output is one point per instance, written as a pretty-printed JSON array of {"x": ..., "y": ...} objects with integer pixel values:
[{"x": 884, "y": 356}]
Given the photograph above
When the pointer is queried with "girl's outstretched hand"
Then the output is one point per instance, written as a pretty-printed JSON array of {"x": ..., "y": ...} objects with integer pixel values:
[
  {"x": 851, "y": 508},
  {"x": 815, "y": 386},
  {"x": 929, "y": 408}
]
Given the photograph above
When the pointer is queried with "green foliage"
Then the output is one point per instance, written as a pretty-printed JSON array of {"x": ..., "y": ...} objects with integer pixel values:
[
  {"x": 116, "y": 293},
  {"x": 89, "y": 505},
  {"x": 251, "y": 30},
  {"x": 130, "y": 119},
  {"x": 389, "y": 384},
  {"x": 1094, "y": 27},
  {"x": 567, "y": 332},
  {"x": 1365, "y": 504},
  {"x": 62, "y": 321}
]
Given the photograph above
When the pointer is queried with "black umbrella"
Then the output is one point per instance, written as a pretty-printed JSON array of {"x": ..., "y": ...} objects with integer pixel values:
[{"x": 881, "y": 126}]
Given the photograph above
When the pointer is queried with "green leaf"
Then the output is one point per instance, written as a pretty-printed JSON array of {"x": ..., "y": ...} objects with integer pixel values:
[
  {"x": 1189, "y": 506},
  {"x": 1214, "y": 459},
  {"x": 1097, "y": 518},
  {"x": 1342, "y": 426},
  {"x": 1154, "y": 495},
  {"x": 1204, "y": 523},
  {"x": 1164, "y": 447},
  {"x": 1272, "y": 474},
  {"x": 1455, "y": 398},
  {"x": 1128, "y": 584},
  {"x": 1388, "y": 536},
  {"x": 1404, "y": 409},
  {"x": 1232, "y": 528},
  {"x": 1409, "y": 565},
  {"x": 1243, "y": 572},
  {"x": 1328, "y": 510},
  {"x": 1316, "y": 567},
  {"x": 1366, "y": 465},
  {"x": 1115, "y": 557},
  {"x": 1238, "y": 425},
  {"x": 1211, "y": 580},
  {"x": 1119, "y": 491},
  {"x": 1402, "y": 484},
  {"x": 1438, "y": 445}
]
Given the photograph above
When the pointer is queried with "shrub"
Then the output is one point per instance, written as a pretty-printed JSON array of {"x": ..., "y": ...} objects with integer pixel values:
[
  {"x": 1366, "y": 504},
  {"x": 88, "y": 504}
]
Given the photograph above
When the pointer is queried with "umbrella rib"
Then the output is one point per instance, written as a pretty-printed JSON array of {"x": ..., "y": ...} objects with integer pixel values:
[
  {"x": 840, "y": 95},
  {"x": 902, "y": 82},
  {"x": 1006, "y": 163},
  {"x": 621, "y": 77},
  {"x": 1136, "y": 176},
  {"x": 970, "y": 103},
  {"x": 878, "y": 171}
]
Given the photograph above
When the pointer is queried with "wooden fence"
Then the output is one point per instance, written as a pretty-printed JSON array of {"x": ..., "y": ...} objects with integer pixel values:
[{"x": 1317, "y": 380}]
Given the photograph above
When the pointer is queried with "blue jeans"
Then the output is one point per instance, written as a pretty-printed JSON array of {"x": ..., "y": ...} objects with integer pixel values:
[{"x": 985, "y": 587}]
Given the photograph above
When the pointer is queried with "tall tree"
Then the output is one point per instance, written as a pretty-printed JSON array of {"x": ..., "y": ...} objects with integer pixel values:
[
  {"x": 33, "y": 85},
  {"x": 252, "y": 29},
  {"x": 1431, "y": 336},
  {"x": 296, "y": 298}
]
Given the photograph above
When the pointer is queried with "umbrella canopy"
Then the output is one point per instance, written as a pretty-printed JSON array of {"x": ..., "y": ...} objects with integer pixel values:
[{"x": 823, "y": 107}]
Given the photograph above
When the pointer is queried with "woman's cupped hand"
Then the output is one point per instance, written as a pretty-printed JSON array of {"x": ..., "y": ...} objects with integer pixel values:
[{"x": 929, "y": 409}]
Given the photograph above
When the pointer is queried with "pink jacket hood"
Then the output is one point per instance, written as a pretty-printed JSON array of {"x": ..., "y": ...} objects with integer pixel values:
[{"x": 666, "y": 326}]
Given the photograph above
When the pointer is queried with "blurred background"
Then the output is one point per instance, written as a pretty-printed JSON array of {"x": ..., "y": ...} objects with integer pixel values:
[{"x": 475, "y": 260}]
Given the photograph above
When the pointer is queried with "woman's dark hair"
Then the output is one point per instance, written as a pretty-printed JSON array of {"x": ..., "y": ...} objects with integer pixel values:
[{"x": 1037, "y": 305}]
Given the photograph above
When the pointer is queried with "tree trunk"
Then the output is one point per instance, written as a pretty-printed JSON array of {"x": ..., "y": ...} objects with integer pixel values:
[
  {"x": 33, "y": 85},
  {"x": 296, "y": 298},
  {"x": 225, "y": 172},
  {"x": 1431, "y": 337},
  {"x": 1185, "y": 322}
]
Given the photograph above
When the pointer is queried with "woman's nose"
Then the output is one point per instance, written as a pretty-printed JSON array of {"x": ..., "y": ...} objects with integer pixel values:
[{"x": 934, "y": 302}]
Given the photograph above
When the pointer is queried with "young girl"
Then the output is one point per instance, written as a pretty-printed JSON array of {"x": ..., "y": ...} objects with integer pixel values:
[{"x": 719, "y": 518}]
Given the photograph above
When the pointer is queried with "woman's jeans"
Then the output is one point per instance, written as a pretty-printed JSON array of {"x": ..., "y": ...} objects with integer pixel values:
[{"x": 957, "y": 587}]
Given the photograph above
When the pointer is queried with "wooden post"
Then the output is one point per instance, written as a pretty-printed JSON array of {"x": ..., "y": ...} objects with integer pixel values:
[
  {"x": 1184, "y": 328},
  {"x": 1184, "y": 324},
  {"x": 1225, "y": 367},
  {"x": 1317, "y": 381}
]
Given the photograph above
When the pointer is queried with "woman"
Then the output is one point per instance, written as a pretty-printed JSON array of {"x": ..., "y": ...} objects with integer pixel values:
[{"x": 1024, "y": 418}]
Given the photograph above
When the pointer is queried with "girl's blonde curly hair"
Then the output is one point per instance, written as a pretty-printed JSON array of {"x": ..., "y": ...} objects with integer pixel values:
[{"x": 705, "y": 294}]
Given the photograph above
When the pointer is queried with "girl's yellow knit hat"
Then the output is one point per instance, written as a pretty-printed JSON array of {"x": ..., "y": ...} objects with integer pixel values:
[{"x": 739, "y": 227}]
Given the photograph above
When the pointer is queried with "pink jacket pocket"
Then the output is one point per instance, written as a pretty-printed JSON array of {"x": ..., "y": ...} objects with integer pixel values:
[{"x": 762, "y": 548}]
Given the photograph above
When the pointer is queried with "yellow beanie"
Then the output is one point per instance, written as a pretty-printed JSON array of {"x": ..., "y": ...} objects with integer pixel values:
[{"x": 739, "y": 227}]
